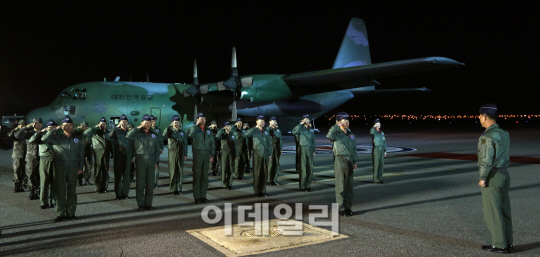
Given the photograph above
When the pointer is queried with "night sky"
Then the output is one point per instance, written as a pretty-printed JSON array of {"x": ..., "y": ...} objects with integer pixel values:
[{"x": 47, "y": 47}]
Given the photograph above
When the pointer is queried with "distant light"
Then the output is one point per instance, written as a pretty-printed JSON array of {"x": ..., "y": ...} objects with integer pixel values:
[
  {"x": 517, "y": 121},
  {"x": 450, "y": 122}
]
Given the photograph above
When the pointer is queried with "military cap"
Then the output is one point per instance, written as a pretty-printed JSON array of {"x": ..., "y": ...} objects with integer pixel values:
[
  {"x": 200, "y": 115},
  {"x": 67, "y": 119},
  {"x": 84, "y": 124},
  {"x": 488, "y": 109},
  {"x": 37, "y": 120},
  {"x": 22, "y": 122},
  {"x": 123, "y": 117},
  {"x": 146, "y": 117},
  {"x": 273, "y": 118},
  {"x": 175, "y": 118},
  {"x": 305, "y": 116},
  {"x": 226, "y": 123},
  {"x": 342, "y": 116},
  {"x": 152, "y": 117},
  {"x": 260, "y": 117},
  {"x": 102, "y": 119},
  {"x": 238, "y": 119},
  {"x": 51, "y": 123},
  {"x": 246, "y": 124},
  {"x": 213, "y": 122},
  {"x": 376, "y": 120}
]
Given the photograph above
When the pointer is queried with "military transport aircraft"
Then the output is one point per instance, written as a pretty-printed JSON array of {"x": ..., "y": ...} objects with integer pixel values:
[{"x": 285, "y": 96}]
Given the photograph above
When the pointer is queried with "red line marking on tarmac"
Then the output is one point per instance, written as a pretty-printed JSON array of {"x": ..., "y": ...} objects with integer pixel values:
[{"x": 472, "y": 157}]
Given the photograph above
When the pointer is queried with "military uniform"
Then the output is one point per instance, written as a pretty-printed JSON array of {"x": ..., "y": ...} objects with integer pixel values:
[
  {"x": 147, "y": 148},
  {"x": 88, "y": 155},
  {"x": 46, "y": 167},
  {"x": 242, "y": 151},
  {"x": 214, "y": 166},
  {"x": 102, "y": 145},
  {"x": 379, "y": 150},
  {"x": 203, "y": 147},
  {"x": 344, "y": 148},
  {"x": 123, "y": 153},
  {"x": 306, "y": 142},
  {"x": 261, "y": 142},
  {"x": 493, "y": 158},
  {"x": 277, "y": 144},
  {"x": 178, "y": 147},
  {"x": 161, "y": 147},
  {"x": 229, "y": 154},
  {"x": 20, "y": 178},
  {"x": 248, "y": 159},
  {"x": 32, "y": 160},
  {"x": 68, "y": 159}
]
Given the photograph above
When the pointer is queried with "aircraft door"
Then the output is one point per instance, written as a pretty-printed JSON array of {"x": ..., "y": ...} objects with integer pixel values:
[{"x": 156, "y": 111}]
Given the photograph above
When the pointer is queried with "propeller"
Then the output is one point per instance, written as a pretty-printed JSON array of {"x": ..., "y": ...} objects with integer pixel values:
[
  {"x": 234, "y": 83},
  {"x": 196, "y": 90}
]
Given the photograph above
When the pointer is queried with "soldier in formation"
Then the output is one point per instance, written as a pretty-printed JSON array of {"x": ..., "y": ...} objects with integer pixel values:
[
  {"x": 203, "y": 148},
  {"x": 177, "y": 145}
]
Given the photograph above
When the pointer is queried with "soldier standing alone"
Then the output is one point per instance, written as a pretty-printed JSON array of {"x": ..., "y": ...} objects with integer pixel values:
[
  {"x": 379, "y": 151},
  {"x": 493, "y": 158},
  {"x": 344, "y": 147},
  {"x": 306, "y": 142}
]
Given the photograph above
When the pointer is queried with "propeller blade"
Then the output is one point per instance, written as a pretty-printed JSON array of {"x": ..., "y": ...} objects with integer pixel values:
[
  {"x": 234, "y": 113},
  {"x": 195, "y": 114},
  {"x": 233, "y": 63}
]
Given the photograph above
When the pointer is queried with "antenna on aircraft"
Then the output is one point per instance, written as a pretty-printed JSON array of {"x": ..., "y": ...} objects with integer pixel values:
[{"x": 117, "y": 79}]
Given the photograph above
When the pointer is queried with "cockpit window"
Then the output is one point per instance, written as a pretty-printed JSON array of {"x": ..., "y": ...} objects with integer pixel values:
[{"x": 76, "y": 93}]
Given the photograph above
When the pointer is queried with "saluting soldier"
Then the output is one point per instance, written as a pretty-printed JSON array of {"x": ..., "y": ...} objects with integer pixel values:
[
  {"x": 247, "y": 163},
  {"x": 241, "y": 148},
  {"x": 153, "y": 120},
  {"x": 123, "y": 153},
  {"x": 277, "y": 144},
  {"x": 493, "y": 160},
  {"x": 214, "y": 166},
  {"x": 345, "y": 157},
  {"x": 306, "y": 142},
  {"x": 147, "y": 149},
  {"x": 132, "y": 170},
  {"x": 379, "y": 151},
  {"x": 46, "y": 165},
  {"x": 68, "y": 163},
  {"x": 260, "y": 143},
  {"x": 203, "y": 147},
  {"x": 228, "y": 155},
  {"x": 87, "y": 143},
  {"x": 178, "y": 147},
  {"x": 20, "y": 178},
  {"x": 32, "y": 156},
  {"x": 102, "y": 154}
]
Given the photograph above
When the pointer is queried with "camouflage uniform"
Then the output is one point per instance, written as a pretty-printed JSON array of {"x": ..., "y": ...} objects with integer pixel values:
[
  {"x": 32, "y": 159},
  {"x": 20, "y": 178}
]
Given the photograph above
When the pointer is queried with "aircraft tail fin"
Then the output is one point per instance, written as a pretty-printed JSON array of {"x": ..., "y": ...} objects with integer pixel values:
[{"x": 354, "y": 50}]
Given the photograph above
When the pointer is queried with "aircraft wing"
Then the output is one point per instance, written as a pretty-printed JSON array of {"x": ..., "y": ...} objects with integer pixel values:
[{"x": 360, "y": 76}]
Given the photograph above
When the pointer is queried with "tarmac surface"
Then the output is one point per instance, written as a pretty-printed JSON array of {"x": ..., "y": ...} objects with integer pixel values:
[{"x": 429, "y": 205}]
